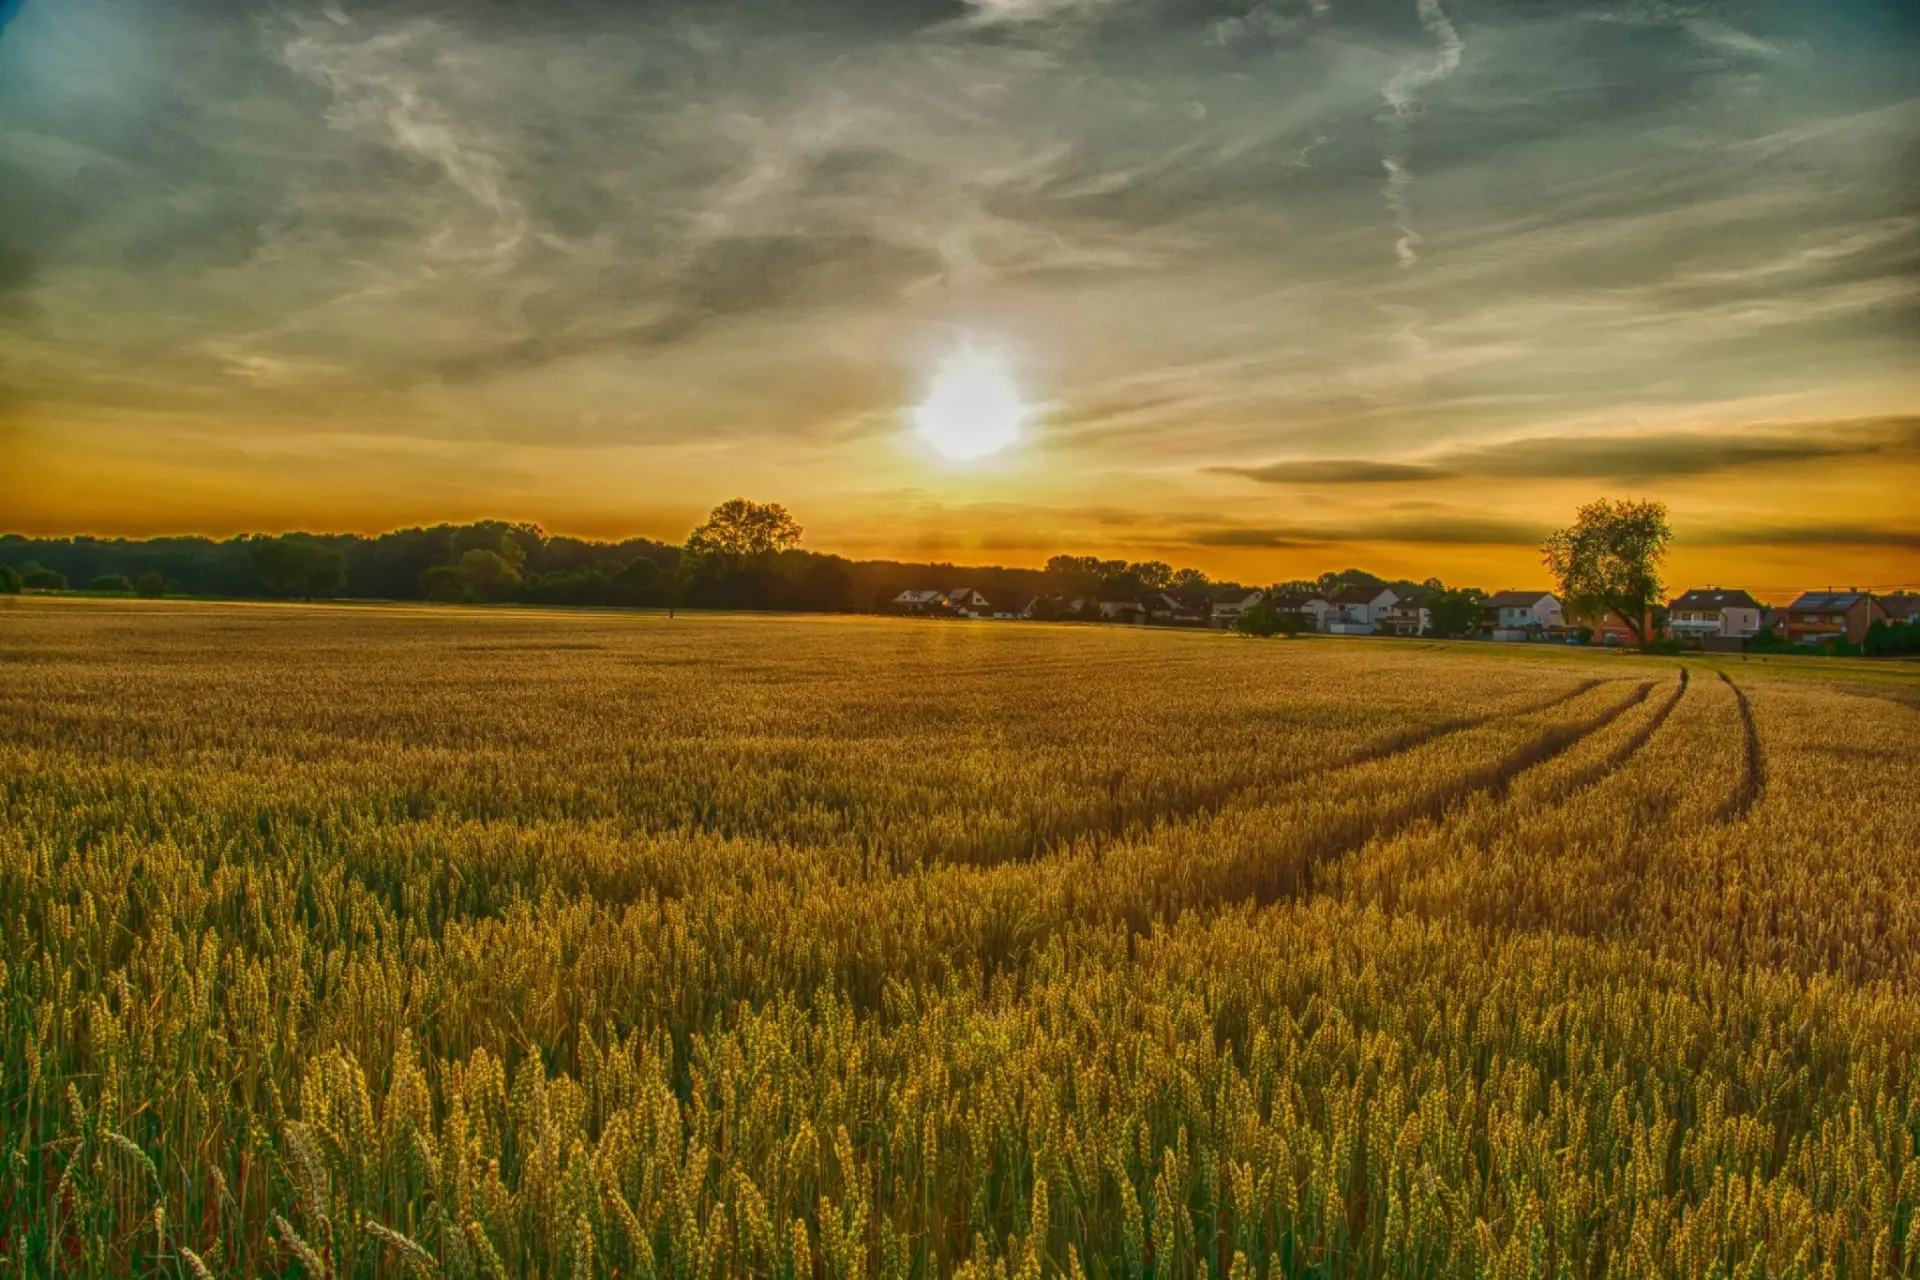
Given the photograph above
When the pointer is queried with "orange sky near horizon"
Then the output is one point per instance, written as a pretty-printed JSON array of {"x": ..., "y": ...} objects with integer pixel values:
[{"x": 1772, "y": 528}]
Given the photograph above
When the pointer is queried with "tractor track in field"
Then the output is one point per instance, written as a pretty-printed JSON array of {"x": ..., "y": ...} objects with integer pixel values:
[
  {"x": 1753, "y": 782},
  {"x": 1619, "y": 756},
  {"x": 1204, "y": 806},
  {"x": 1439, "y": 802}
]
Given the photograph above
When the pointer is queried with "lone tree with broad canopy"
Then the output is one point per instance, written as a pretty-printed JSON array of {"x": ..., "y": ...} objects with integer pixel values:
[
  {"x": 732, "y": 560},
  {"x": 1609, "y": 558},
  {"x": 740, "y": 529}
]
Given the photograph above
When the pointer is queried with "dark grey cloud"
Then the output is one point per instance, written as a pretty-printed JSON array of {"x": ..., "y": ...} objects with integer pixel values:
[
  {"x": 1237, "y": 536},
  {"x": 1799, "y": 533},
  {"x": 1636, "y": 457},
  {"x": 1340, "y": 471},
  {"x": 1435, "y": 529}
]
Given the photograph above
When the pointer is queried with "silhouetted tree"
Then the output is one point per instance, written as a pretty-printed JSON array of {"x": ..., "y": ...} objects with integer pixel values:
[
  {"x": 1154, "y": 575},
  {"x": 39, "y": 579},
  {"x": 1189, "y": 581},
  {"x": 444, "y": 584},
  {"x": 9, "y": 580},
  {"x": 151, "y": 585},
  {"x": 741, "y": 528},
  {"x": 642, "y": 573},
  {"x": 488, "y": 572},
  {"x": 113, "y": 582},
  {"x": 292, "y": 564}
]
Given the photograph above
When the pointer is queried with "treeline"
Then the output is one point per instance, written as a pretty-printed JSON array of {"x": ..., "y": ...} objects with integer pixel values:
[{"x": 746, "y": 555}]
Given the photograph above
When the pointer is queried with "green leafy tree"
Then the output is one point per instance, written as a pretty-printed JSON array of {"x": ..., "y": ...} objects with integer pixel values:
[
  {"x": 39, "y": 579},
  {"x": 513, "y": 543},
  {"x": 1887, "y": 639},
  {"x": 444, "y": 584},
  {"x": 1609, "y": 558},
  {"x": 642, "y": 573},
  {"x": 151, "y": 585},
  {"x": 116, "y": 583},
  {"x": 488, "y": 572},
  {"x": 1267, "y": 619},
  {"x": 292, "y": 565},
  {"x": 9, "y": 580},
  {"x": 1455, "y": 612}
]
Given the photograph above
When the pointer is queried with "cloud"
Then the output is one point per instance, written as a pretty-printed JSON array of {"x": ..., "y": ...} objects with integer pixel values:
[
  {"x": 1402, "y": 93},
  {"x": 988, "y": 13},
  {"x": 1339, "y": 471},
  {"x": 1237, "y": 536},
  {"x": 1657, "y": 457},
  {"x": 1635, "y": 457},
  {"x": 1797, "y": 533},
  {"x": 1416, "y": 530}
]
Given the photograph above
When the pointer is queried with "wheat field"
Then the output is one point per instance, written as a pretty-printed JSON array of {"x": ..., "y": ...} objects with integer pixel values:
[{"x": 389, "y": 942}]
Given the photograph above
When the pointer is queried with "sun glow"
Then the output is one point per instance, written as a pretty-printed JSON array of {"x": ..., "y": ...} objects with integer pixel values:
[{"x": 974, "y": 409}]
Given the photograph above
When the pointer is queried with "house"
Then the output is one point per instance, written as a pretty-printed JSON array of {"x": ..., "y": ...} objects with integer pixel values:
[
  {"x": 1227, "y": 611},
  {"x": 1356, "y": 610},
  {"x": 1522, "y": 615},
  {"x": 911, "y": 601},
  {"x": 1819, "y": 616},
  {"x": 1122, "y": 611},
  {"x": 1901, "y": 607},
  {"x": 1313, "y": 607},
  {"x": 1054, "y": 606},
  {"x": 1714, "y": 613},
  {"x": 1607, "y": 626},
  {"x": 1175, "y": 611},
  {"x": 1408, "y": 615},
  {"x": 970, "y": 602}
]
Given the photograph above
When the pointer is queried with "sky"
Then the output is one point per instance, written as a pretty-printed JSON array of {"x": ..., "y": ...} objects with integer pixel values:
[{"x": 1285, "y": 285}]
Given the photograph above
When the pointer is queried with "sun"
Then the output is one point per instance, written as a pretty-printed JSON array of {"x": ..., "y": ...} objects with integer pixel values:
[{"x": 974, "y": 408}]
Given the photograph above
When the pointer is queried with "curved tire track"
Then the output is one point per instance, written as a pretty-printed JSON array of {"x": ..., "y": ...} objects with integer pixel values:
[
  {"x": 1438, "y": 802},
  {"x": 1121, "y": 827},
  {"x": 1753, "y": 782}
]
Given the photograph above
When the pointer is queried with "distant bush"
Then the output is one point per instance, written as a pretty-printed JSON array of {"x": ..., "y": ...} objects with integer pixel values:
[
  {"x": 1263, "y": 621},
  {"x": 151, "y": 585},
  {"x": 1892, "y": 639},
  {"x": 118, "y": 583},
  {"x": 32, "y": 575},
  {"x": 9, "y": 580}
]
